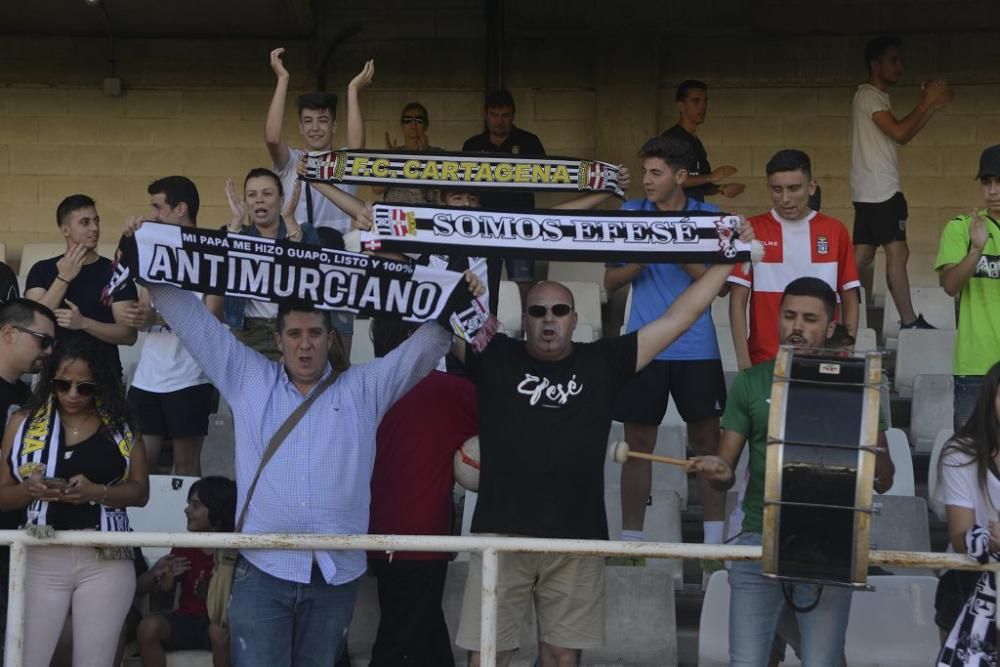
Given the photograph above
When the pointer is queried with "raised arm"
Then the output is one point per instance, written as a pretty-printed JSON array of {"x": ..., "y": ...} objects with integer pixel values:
[
  {"x": 276, "y": 146},
  {"x": 595, "y": 199},
  {"x": 934, "y": 96},
  {"x": 955, "y": 276},
  {"x": 619, "y": 276},
  {"x": 355, "y": 122},
  {"x": 68, "y": 268},
  {"x": 739, "y": 297}
]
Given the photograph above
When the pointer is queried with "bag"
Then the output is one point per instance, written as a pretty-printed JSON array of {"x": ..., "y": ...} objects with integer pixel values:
[{"x": 220, "y": 586}]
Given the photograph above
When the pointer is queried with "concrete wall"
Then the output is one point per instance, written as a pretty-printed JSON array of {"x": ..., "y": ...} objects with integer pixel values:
[{"x": 590, "y": 80}]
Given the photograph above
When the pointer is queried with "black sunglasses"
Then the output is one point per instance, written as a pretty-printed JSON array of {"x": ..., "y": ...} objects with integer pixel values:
[
  {"x": 44, "y": 340},
  {"x": 559, "y": 310},
  {"x": 61, "y": 386},
  {"x": 406, "y": 120}
]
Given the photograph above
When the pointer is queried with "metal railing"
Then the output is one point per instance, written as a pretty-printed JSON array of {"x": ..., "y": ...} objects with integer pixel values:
[{"x": 489, "y": 547}]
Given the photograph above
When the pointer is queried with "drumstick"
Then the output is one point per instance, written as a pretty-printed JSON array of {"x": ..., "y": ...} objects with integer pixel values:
[{"x": 620, "y": 452}]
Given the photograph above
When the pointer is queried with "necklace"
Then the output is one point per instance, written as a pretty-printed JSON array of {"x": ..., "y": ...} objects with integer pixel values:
[{"x": 75, "y": 429}]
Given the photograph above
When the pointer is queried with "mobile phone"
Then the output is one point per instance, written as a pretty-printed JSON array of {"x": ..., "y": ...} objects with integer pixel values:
[{"x": 55, "y": 483}]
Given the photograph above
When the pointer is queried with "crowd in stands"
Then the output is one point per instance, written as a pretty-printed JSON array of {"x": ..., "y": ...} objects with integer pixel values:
[{"x": 375, "y": 452}]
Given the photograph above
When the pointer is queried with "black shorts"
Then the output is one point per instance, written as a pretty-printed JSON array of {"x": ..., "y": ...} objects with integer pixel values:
[
  {"x": 175, "y": 414},
  {"x": 698, "y": 388},
  {"x": 880, "y": 223},
  {"x": 187, "y": 633}
]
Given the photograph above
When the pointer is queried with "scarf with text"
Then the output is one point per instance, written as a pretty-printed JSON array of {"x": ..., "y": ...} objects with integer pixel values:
[
  {"x": 442, "y": 169},
  {"x": 598, "y": 236},
  {"x": 214, "y": 262}
]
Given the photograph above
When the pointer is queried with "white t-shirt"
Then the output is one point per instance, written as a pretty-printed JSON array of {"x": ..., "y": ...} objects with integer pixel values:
[
  {"x": 164, "y": 365},
  {"x": 959, "y": 486},
  {"x": 265, "y": 310},
  {"x": 874, "y": 165},
  {"x": 325, "y": 213}
]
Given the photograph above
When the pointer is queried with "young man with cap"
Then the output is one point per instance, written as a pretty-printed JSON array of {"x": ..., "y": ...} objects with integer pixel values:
[{"x": 969, "y": 263}]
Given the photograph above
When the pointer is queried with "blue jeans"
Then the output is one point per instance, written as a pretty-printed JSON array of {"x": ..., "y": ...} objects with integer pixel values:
[
  {"x": 278, "y": 623},
  {"x": 756, "y": 603},
  {"x": 966, "y": 394}
]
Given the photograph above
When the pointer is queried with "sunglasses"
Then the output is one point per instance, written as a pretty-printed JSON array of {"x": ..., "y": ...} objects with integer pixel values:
[
  {"x": 44, "y": 340},
  {"x": 407, "y": 120},
  {"x": 559, "y": 310},
  {"x": 61, "y": 386}
]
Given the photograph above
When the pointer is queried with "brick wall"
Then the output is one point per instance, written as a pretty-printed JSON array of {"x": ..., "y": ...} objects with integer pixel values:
[{"x": 197, "y": 107}]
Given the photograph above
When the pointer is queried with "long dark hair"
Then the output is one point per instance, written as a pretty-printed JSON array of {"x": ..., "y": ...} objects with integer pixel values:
[
  {"x": 110, "y": 392},
  {"x": 978, "y": 437},
  {"x": 218, "y": 494}
]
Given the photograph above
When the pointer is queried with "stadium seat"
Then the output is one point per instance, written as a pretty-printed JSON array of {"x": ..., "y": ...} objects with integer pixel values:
[
  {"x": 509, "y": 308},
  {"x": 862, "y": 308},
  {"x": 934, "y": 500},
  {"x": 899, "y": 450},
  {"x": 919, "y": 269},
  {"x": 587, "y": 298},
  {"x": 584, "y": 333},
  {"x": 362, "y": 348},
  {"x": 922, "y": 352},
  {"x": 866, "y": 340},
  {"x": 164, "y": 513},
  {"x": 932, "y": 409},
  {"x": 932, "y": 302},
  {"x": 663, "y": 524},
  {"x": 586, "y": 272},
  {"x": 890, "y": 626},
  {"x": 900, "y": 523},
  {"x": 218, "y": 453},
  {"x": 671, "y": 440},
  {"x": 628, "y": 311}
]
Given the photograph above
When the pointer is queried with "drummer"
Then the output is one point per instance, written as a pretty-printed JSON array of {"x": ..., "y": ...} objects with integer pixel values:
[{"x": 806, "y": 322}]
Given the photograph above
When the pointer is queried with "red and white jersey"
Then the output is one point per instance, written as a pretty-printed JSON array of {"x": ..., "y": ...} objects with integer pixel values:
[{"x": 818, "y": 246}]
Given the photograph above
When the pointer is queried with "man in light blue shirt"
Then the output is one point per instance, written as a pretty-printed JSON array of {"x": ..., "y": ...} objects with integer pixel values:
[
  {"x": 689, "y": 369},
  {"x": 294, "y": 607}
]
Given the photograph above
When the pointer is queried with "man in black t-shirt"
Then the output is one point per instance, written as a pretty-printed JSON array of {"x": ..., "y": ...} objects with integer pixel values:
[
  {"x": 8, "y": 284},
  {"x": 702, "y": 180},
  {"x": 72, "y": 284},
  {"x": 500, "y": 135},
  {"x": 545, "y": 409}
]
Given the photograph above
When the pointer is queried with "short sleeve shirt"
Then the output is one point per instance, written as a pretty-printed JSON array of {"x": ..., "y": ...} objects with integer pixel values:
[
  {"x": 818, "y": 246},
  {"x": 543, "y": 436},
  {"x": 701, "y": 166},
  {"x": 874, "y": 165},
  {"x": 325, "y": 212},
  {"x": 977, "y": 342},
  {"x": 658, "y": 286},
  {"x": 86, "y": 292}
]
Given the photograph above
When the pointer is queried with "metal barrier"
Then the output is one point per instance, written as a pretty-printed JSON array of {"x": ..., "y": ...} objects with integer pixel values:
[{"x": 489, "y": 547}]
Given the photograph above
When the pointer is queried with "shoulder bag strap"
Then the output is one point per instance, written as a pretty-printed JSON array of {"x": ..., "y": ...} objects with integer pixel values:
[{"x": 279, "y": 437}]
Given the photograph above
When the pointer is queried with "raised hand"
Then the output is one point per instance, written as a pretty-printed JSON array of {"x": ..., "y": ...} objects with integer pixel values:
[
  {"x": 979, "y": 234},
  {"x": 732, "y": 189},
  {"x": 69, "y": 265},
  {"x": 711, "y": 468},
  {"x": 277, "y": 65},
  {"x": 292, "y": 229},
  {"x": 389, "y": 141},
  {"x": 624, "y": 178},
  {"x": 722, "y": 173},
  {"x": 237, "y": 207},
  {"x": 475, "y": 284},
  {"x": 363, "y": 78}
]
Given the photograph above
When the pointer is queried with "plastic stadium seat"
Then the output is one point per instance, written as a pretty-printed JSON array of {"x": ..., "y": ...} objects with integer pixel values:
[
  {"x": 932, "y": 302},
  {"x": 932, "y": 409},
  {"x": 866, "y": 340},
  {"x": 671, "y": 440},
  {"x": 586, "y": 272},
  {"x": 164, "y": 513},
  {"x": 362, "y": 347},
  {"x": 584, "y": 333},
  {"x": 628, "y": 311},
  {"x": 509, "y": 308},
  {"x": 587, "y": 298},
  {"x": 933, "y": 499},
  {"x": 900, "y": 523},
  {"x": 899, "y": 450},
  {"x": 922, "y": 352},
  {"x": 726, "y": 348},
  {"x": 218, "y": 453},
  {"x": 919, "y": 269}
]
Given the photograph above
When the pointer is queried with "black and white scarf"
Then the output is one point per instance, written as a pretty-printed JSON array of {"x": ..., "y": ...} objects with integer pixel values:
[
  {"x": 972, "y": 641},
  {"x": 442, "y": 169},
  {"x": 214, "y": 262},
  {"x": 627, "y": 236}
]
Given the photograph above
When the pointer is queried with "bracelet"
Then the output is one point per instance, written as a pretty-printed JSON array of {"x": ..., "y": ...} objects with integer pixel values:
[
  {"x": 103, "y": 497},
  {"x": 296, "y": 236},
  {"x": 58, "y": 277}
]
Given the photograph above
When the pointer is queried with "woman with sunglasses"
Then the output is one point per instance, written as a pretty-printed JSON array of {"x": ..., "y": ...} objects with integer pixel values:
[
  {"x": 72, "y": 464},
  {"x": 414, "y": 122}
]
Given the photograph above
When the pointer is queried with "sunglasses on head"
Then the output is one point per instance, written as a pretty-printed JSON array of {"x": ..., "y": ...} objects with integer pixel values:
[
  {"x": 44, "y": 340},
  {"x": 559, "y": 310},
  {"x": 61, "y": 386},
  {"x": 413, "y": 119}
]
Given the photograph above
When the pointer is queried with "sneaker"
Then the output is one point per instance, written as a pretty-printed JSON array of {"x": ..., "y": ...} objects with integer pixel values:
[
  {"x": 919, "y": 323},
  {"x": 625, "y": 561}
]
